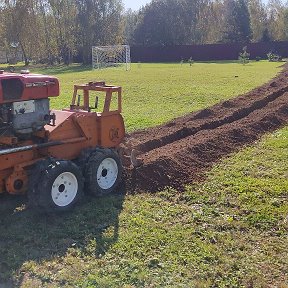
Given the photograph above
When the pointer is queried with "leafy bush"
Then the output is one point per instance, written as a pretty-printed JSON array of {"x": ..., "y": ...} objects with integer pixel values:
[
  {"x": 190, "y": 61},
  {"x": 274, "y": 57},
  {"x": 244, "y": 56}
]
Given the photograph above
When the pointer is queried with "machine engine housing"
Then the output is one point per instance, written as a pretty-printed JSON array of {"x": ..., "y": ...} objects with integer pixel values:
[
  {"x": 24, "y": 102},
  {"x": 30, "y": 116}
]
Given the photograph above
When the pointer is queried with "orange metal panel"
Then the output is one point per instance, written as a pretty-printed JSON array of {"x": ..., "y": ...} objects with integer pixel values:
[
  {"x": 8, "y": 162},
  {"x": 65, "y": 127},
  {"x": 112, "y": 130},
  {"x": 3, "y": 175},
  {"x": 61, "y": 116},
  {"x": 11, "y": 160},
  {"x": 68, "y": 151}
]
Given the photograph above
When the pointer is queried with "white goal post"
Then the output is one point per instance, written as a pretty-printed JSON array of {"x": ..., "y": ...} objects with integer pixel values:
[{"x": 107, "y": 56}]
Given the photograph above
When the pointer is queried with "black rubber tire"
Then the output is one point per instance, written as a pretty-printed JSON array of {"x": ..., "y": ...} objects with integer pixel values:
[
  {"x": 41, "y": 180},
  {"x": 92, "y": 184}
]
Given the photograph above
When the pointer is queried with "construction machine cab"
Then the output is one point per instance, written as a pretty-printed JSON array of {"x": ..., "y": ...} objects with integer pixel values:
[{"x": 85, "y": 101}]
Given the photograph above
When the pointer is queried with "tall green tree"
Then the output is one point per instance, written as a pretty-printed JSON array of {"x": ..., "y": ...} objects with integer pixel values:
[
  {"x": 63, "y": 15},
  {"x": 237, "y": 22},
  {"x": 20, "y": 26},
  {"x": 285, "y": 19},
  {"x": 56, "y": 30},
  {"x": 100, "y": 22},
  {"x": 210, "y": 22},
  {"x": 170, "y": 22},
  {"x": 158, "y": 24},
  {"x": 130, "y": 24},
  {"x": 276, "y": 26},
  {"x": 258, "y": 18}
]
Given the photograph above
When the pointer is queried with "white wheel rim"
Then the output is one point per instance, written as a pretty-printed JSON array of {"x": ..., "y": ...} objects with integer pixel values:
[
  {"x": 64, "y": 189},
  {"x": 107, "y": 173}
]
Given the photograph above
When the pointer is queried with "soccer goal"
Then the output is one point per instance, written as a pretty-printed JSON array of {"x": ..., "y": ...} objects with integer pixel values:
[{"x": 111, "y": 56}]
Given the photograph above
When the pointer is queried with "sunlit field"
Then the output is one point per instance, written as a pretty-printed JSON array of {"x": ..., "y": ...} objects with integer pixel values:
[
  {"x": 228, "y": 231},
  {"x": 156, "y": 93}
]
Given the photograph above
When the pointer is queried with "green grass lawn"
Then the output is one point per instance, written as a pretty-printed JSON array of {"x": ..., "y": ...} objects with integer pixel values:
[
  {"x": 156, "y": 93},
  {"x": 229, "y": 231}
]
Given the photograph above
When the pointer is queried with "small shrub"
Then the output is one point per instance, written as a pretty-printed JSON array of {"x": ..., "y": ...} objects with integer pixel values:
[
  {"x": 244, "y": 56},
  {"x": 258, "y": 58},
  {"x": 190, "y": 61},
  {"x": 274, "y": 57}
]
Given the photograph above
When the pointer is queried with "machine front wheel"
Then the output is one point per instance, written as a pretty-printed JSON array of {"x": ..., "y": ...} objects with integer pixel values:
[
  {"x": 103, "y": 172},
  {"x": 58, "y": 187}
]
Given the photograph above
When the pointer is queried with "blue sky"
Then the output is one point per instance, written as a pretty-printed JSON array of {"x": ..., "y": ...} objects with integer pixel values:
[{"x": 135, "y": 4}]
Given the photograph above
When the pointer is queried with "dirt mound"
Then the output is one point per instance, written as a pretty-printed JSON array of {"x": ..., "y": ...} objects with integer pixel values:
[{"x": 180, "y": 151}]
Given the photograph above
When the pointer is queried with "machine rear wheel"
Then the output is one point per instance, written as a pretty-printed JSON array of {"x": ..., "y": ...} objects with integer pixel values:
[
  {"x": 103, "y": 172},
  {"x": 58, "y": 186}
]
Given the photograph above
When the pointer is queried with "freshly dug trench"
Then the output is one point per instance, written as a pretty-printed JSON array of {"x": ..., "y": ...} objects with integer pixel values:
[{"x": 180, "y": 151}]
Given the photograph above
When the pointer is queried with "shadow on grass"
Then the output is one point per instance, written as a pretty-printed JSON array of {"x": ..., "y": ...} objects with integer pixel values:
[
  {"x": 26, "y": 235},
  {"x": 45, "y": 69},
  {"x": 63, "y": 69}
]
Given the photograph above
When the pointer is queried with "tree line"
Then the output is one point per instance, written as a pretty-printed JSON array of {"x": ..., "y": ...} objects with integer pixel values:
[
  {"x": 52, "y": 31},
  {"x": 57, "y": 30},
  {"x": 179, "y": 22}
]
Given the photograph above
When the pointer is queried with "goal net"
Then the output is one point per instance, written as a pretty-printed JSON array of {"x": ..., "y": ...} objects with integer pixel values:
[{"x": 107, "y": 56}]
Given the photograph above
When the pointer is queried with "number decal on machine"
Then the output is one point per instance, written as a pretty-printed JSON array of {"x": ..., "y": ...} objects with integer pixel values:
[{"x": 114, "y": 134}]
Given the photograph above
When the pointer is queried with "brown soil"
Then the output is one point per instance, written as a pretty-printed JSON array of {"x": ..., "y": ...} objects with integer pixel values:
[{"x": 180, "y": 151}]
